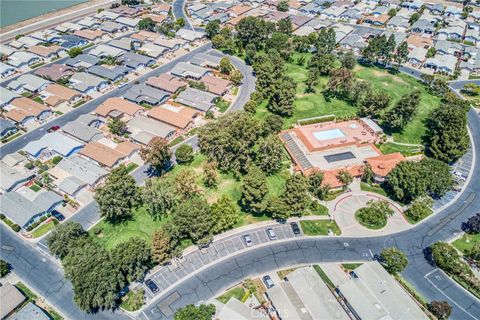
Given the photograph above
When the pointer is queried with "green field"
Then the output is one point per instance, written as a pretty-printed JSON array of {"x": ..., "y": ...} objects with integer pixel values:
[
  {"x": 44, "y": 228},
  {"x": 407, "y": 151},
  {"x": 237, "y": 292},
  {"x": 319, "y": 227},
  {"x": 372, "y": 188},
  {"x": 309, "y": 105},
  {"x": 466, "y": 242}
]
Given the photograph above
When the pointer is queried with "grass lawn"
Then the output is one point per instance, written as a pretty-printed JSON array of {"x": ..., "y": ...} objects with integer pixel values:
[
  {"x": 317, "y": 209},
  {"x": 374, "y": 226},
  {"x": 35, "y": 187},
  {"x": 44, "y": 228},
  {"x": 372, "y": 188},
  {"x": 131, "y": 166},
  {"x": 324, "y": 276},
  {"x": 407, "y": 151},
  {"x": 237, "y": 292},
  {"x": 142, "y": 225},
  {"x": 319, "y": 227},
  {"x": 309, "y": 105},
  {"x": 467, "y": 241},
  {"x": 351, "y": 266}
]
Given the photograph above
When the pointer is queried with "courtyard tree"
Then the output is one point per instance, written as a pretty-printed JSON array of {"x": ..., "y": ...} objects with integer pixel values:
[
  {"x": 184, "y": 154},
  {"x": 225, "y": 214},
  {"x": 283, "y": 6},
  {"x": 345, "y": 177},
  {"x": 133, "y": 258},
  {"x": 403, "y": 112},
  {"x": 147, "y": 24},
  {"x": 406, "y": 182},
  {"x": 189, "y": 312},
  {"x": 440, "y": 309},
  {"x": 295, "y": 195},
  {"x": 254, "y": 190},
  {"x": 118, "y": 196},
  {"x": 225, "y": 65},
  {"x": 393, "y": 259},
  {"x": 63, "y": 237},
  {"x": 159, "y": 196},
  {"x": 157, "y": 154},
  {"x": 117, "y": 126},
  {"x": 270, "y": 154},
  {"x": 316, "y": 187},
  {"x": 193, "y": 217},
  {"x": 212, "y": 28},
  {"x": 161, "y": 247}
]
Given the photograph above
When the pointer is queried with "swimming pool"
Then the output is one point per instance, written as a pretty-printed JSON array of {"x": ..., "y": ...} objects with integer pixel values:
[{"x": 328, "y": 134}]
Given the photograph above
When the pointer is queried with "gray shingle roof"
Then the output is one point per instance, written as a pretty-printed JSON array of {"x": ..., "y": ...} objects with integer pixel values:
[
  {"x": 197, "y": 99},
  {"x": 10, "y": 177},
  {"x": 71, "y": 184},
  {"x": 184, "y": 69},
  {"x": 141, "y": 93},
  {"x": 30, "y": 312},
  {"x": 82, "y": 168},
  {"x": 82, "y": 131}
]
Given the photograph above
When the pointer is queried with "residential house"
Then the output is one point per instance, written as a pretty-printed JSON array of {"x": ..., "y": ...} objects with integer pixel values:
[
  {"x": 189, "y": 71},
  {"x": 6, "y": 96},
  {"x": 22, "y": 59},
  {"x": 128, "y": 22},
  {"x": 87, "y": 83},
  {"x": 90, "y": 23},
  {"x": 82, "y": 132},
  {"x": 141, "y": 93},
  {"x": 22, "y": 110},
  {"x": 111, "y": 27},
  {"x": 118, "y": 107},
  {"x": 68, "y": 27},
  {"x": 206, "y": 60},
  {"x": 6, "y": 70},
  {"x": 28, "y": 82},
  {"x": 82, "y": 61},
  {"x": 23, "y": 211},
  {"x": 55, "y": 94},
  {"x": 197, "y": 99},
  {"x": 136, "y": 61},
  {"x": 70, "y": 41},
  {"x": 11, "y": 179},
  {"x": 109, "y": 157},
  {"x": 170, "y": 44},
  {"x": 179, "y": 117},
  {"x": 448, "y": 47},
  {"x": 54, "y": 72},
  {"x": 52, "y": 144},
  {"x": 472, "y": 36},
  {"x": 10, "y": 299},
  {"x": 452, "y": 11},
  {"x": 378, "y": 21},
  {"x": 46, "y": 35},
  {"x": 161, "y": 8},
  {"x": 124, "y": 44},
  {"x": 166, "y": 83},
  {"x": 398, "y": 23},
  {"x": 154, "y": 51},
  {"x": 7, "y": 128},
  {"x": 437, "y": 9},
  {"x": 107, "y": 15},
  {"x": 452, "y": 32},
  {"x": 30, "y": 312},
  {"x": 216, "y": 85},
  {"x": 127, "y": 11},
  {"x": 351, "y": 15},
  {"x": 102, "y": 51},
  {"x": 50, "y": 52},
  {"x": 442, "y": 63},
  {"x": 157, "y": 18},
  {"x": 413, "y": 5},
  {"x": 112, "y": 74},
  {"x": 332, "y": 13},
  {"x": 144, "y": 129},
  {"x": 90, "y": 35},
  {"x": 423, "y": 26},
  {"x": 190, "y": 35},
  {"x": 238, "y": 10}
]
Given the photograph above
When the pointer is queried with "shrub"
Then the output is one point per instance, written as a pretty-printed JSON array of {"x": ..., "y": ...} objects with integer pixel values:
[
  {"x": 375, "y": 215},
  {"x": 2, "y": 216},
  {"x": 56, "y": 160},
  {"x": 16, "y": 227},
  {"x": 419, "y": 209},
  {"x": 29, "y": 166}
]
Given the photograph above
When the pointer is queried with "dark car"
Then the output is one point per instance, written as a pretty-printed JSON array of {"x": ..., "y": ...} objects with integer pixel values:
[
  {"x": 151, "y": 285},
  {"x": 268, "y": 281},
  {"x": 57, "y": 215},
  {"x": 295, "y": 228},
  {"x": 54, "y": 128}
]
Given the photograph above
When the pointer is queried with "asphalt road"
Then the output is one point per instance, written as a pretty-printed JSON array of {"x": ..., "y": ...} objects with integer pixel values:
[
  {"x": 200, "y": 276},
  {"x": 179, "y": 12}
]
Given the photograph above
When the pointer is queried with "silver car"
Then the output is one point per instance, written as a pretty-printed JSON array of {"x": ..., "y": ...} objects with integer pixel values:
[
  {"x": 248, "y": 240},
  {"x": 271, "y": 234}
]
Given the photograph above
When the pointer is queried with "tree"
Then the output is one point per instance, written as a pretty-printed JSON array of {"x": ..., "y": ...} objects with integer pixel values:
[
  {"x": 161, "y": 250},
  {"x": 72, "y": 53},
  {"x": 321, "y": 64},
  {"x": 253, "y": 30},
  {"x": 295, "y": 195},
  {"x": 438, "y": 177},
  {"x": 147, "y": 24},
  {"x": 210, "y": 176},
  {"x": 431, "y": 52},
  {"x": 250, "y": 53},
  {"x": 367, "y": 175},
  {"x": 473, "y": 253},
  {"x": 157, "y": 154},
  {"x": 403, "y": 112},
  {"x": 270, "y": 154},
  {"x": 95, "y": 278},
  {"x": 159, "y": 196},
  {"x": 282, "y": 43},
  {"x": 184, "y": 154},
  {"x": 130, "y": 2},
  {"x": 132, "y": 258},
  {"x": 118, "y": 196},
  {"x": 447, "y": 135},
  {"x": 341, "y": 82},
  {"x": 117, "y": 126},
  {"x": 194, "y": 219},
  {"x": 414, "y": 18},
  {"x": 186, "y": 184},
  {"x": 393, "y": 259},
  {"x": 285, "y": 26},
  {"x": 440, "y": 309},
  {"x": 283, "y": 6},
  {"x": 445, "y": 256},
  {"x": 419, "y": 209},
  {"x": 392, "y": 12},
  {"x": 406, "y": 182},
  {"x": 179, "y": 23},
  {"x": 316, "y": 186},
  {"x": 281, "y": 101},
  {"x": 388, "y": 51},
  {"x": 212, "y": 28},
  {"x": 225, "y": 214},
  {"x": 219, "y": 42},
  {"x": 225, "y": 65},
  {"x": 373, "y": 104},
  {"x": 236, "y": 77},
  {"x": 277, "y": 208},
  {"x": 345, "y": 177},
  {"x": 472, "y": 226},
  {"x": 375, "y": 214},
  {"x": 471, "y": 89},
  {"x": 254, "y": 190},
  {"x": 61, "y": 239},
  {"x": 189, "y": 312},
  {"x": 348, "y": 60},
  {"x": 4, "y": 268},
  {"x": 273, "y": 124},
  {"x": 402, "y": 53},
  {"x": 326, "y": 41}
]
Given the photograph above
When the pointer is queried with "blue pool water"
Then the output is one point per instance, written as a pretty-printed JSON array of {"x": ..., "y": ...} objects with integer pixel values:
[{"x": 328, "y": 134}]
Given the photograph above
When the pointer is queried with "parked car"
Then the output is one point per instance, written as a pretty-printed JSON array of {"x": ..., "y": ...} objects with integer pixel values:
[
  {"x": 271, "y": 234},
  {"x": 57, "y": 215},
  {"x": 121, "y": 85},
  {"x": 268, "y": 281},
  {"x": 53, "y": 128},
  {"x": 295, "y": 228},
  {"x": 152, "y": 286},
  {"x": 248, "y": 240}
]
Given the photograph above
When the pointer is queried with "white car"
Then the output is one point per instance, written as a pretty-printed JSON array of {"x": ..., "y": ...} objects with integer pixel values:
[{"x": 248, "y": 240}]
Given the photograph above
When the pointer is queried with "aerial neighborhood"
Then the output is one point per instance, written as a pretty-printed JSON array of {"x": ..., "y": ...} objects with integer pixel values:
[{"x": 240, "y": 159}]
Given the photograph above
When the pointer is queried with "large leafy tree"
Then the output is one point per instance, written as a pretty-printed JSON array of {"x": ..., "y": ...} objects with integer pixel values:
[
  {"x": 283, "y": 6},
  {"x": 225, "y": 214},
  {"x": 146, "y": 24},
  {"x": 348, "y": 60},
  {"x": 254, "y": 190},
  {"x": 437, "y": 174},
  {"x": 161, "y": 246},
  {"x": 253, "y": 30},
  {"x": 212, "y": 28},
  {"x": 118, "y": 196},
  {"x": 186, "y": 184},
  {"x": 133, "y": 258},
  {"x": 184, "y": 154},
  {"x": 341, "y": 82},
  {"x": 393, "y": 259},
  {"x": 282, "y": 43},
  {"x": 157, "y": 154},
  {"x": 117, "y": 126},
  {"x": 159, "y": 196},
  {"x": 406, "y": 182},
  {"x": 316, "y": 186},
  {"x": 440, "y": 309},
  {"x": 189, "y": 312},
  {"x": 374, "y": 103},
  {"x": 226, "y": 65},
  {"x": 281, "y": 101},
  {"x": 403, "y": 112},
  {"x": 62, "y": 238},
  {"x": 4, "y": 268},
  {"x": 194, "y": 219},
  {"x": 447, "y": 136},
  {"x": 445, "y": 256},
  {"x": 230, "y": 140},
  {"x": 270, "y": 154},
  {"x": 472, "y": 225},
  {"x": 326, "y": 41},
  {"x": 295, "y": 195},
  {"x": 285, "y": 26},
  {"x": 402, "y": 54}
]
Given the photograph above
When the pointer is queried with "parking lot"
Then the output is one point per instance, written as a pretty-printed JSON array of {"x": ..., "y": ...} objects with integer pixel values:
[{"x": 168, "y": 275}]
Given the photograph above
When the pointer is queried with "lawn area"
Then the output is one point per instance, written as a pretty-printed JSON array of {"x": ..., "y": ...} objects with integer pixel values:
[
  {"x": 309, "y": 105},
  {"x": 372, "y": 188},
  {"x": 237, "y": 292},
  {"x": 142, "y": 225},
  {"x": 467, "y": 241},
  {"x": 44, "y": 228},
  {"x": 351, "y": 266},
  {"x": 407, "y": 151},
  {"x": 378, "y": 224},
  {"x": 319, "y": 227},
  {"x": 131, "y": 166},
  {"x": 324, "y": 276},
  {"x": 133, "y": 300}
]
